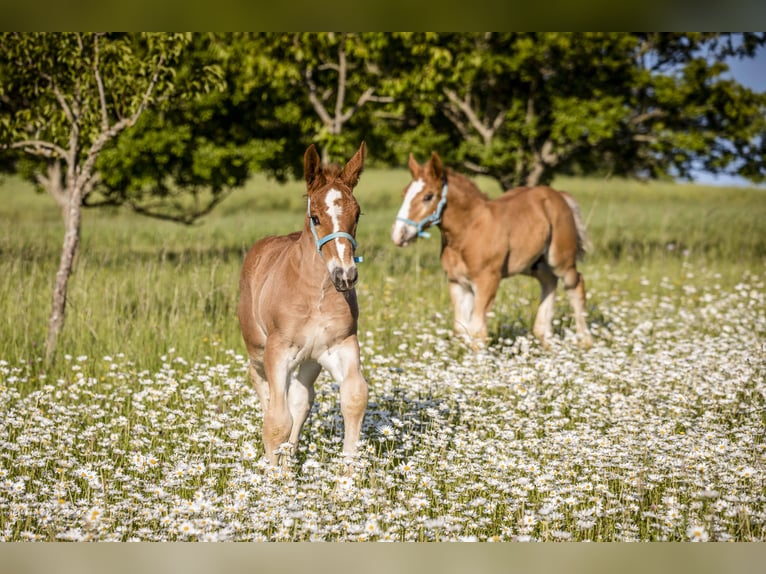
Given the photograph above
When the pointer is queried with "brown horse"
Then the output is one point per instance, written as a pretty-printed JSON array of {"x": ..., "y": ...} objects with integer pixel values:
[
  {"x": 535, "y": 231},
  {"x": 298, "y": 310}
]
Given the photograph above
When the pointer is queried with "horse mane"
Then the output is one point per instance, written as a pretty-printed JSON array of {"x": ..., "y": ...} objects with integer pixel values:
[
  {"x": 331, "y": 170},
  {"x": 466, "y": 184}
]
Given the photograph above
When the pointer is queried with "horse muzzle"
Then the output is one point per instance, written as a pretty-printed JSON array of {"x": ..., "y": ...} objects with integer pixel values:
[
  {"x": 344, "y": 279},
  {"x": 402, "y": 235}
]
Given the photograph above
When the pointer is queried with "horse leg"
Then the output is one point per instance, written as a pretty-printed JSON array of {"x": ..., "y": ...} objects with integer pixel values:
[
  {"x": 342, "y": 361},
  {"x": 543, "y": 328},
  {"x": 258, "y": 378},
  {"x": 486, "y": 289},
  {"x": 574, "y": 284},
  {"x": 463, "y": 303},
  {"x": 277, "y": 420},
  {"x": 300, "y": 397}
]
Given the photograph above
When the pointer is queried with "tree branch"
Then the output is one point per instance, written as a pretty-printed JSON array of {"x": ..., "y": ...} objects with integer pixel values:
[
  {"x": 457, "y": 121},
  {"x": 38, "y": 147},
  {"x": 475, "y": 167},
  {"x": 315, "y": 101},
  {"x": 486, "y": 133},
  {"x": 641, "y": 118},
  {"x": 184, "y": 218},
  {"x": 340, "y": 99},
  {"x": 100, "y": 85},
  {"x": 546, "y": 153},
  {"x": 61, "y": 100},
  {"x": 109, "y": 134},
  {"x": 52, "y": 184},
  {"x": 363, "y": 99}
]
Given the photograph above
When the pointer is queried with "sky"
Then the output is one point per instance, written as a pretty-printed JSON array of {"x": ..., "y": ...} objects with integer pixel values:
[{"x": 750, "y": 73}]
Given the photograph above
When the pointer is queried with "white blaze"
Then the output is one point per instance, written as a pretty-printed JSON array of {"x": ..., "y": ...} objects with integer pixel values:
[
  {"x": 334, "y": 210},
  {"x": 404, "y": 211}
]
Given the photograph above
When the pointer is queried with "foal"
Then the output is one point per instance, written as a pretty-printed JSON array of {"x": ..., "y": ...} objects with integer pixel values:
[
  {"x": 298, "y": 310},
  {"x": 534, "y": 231}
]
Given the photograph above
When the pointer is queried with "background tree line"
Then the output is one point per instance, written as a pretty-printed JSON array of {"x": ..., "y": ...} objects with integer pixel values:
[
  {"x": 519, "y": 107},
  {"x": 170, "y": 124}
]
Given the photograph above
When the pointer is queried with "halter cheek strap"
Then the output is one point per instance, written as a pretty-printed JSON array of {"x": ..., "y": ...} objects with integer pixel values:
[
  {"x": 331, "y": 236},
  {"x": 433, "y": 219}
]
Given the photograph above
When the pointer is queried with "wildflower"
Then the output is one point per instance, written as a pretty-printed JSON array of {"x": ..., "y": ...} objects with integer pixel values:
[
  {"x": 187, "y": 529},
  {"x": 286, "y": 448},
  {"x": 371, "y": 527},
  {"x": 673, "y": 516},
  {"x": 248, "y": 451},
  {"x": 344, "y": 483},
  {"x": 746, "y": 472},
  {"x": 528, "y": 520},
  {"x": 438, "y": 522},
  {"x": 18, "y": 486},
  {"x": 241, "y": 496},
  {"x": 419, "y": 502},
  {"x": 93, "y": 516},
  {"x": 697, "y": 533}
]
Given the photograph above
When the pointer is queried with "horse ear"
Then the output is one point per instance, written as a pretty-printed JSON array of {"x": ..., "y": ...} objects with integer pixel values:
[
  {"x": 312, "y": 167},
  {"x": 414, "y": 167},
  {"x": 353, "y": 169},
  {"x": 437, "y": 169}
]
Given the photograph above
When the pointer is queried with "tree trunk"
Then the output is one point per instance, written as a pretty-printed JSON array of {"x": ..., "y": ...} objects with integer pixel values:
[
  {"x": 533, "y": 178},
  {"x": 68, "y": 252}
]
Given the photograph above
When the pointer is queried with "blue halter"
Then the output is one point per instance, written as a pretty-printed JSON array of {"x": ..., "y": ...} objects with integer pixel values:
[
  {"x": 433, "y": 219},
  {"x": 331, "y": 236}
]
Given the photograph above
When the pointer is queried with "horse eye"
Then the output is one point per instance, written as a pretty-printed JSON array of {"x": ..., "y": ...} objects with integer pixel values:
[
  {"x": 358, "y": 215},
  {"x": 314, "y": 220},
  {"x": 428, "y": 197}
]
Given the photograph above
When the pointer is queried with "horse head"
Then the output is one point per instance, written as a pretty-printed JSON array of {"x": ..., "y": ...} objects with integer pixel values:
[
  {"x": 333, "y": 213},
  {"x": 424, "y": 200}
]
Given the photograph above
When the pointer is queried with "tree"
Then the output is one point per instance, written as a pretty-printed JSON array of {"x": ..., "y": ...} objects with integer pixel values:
[
  {"x": 522, "y": 107},
  {"x": 64, "y": 99},
  {"x": 283, "y": 91},
  {"x": 332, "y": 82},
  {"x": 183, "y": 159}
]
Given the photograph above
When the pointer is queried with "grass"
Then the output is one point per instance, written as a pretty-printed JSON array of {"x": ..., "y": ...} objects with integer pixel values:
[{"x": 146, "y": 429}]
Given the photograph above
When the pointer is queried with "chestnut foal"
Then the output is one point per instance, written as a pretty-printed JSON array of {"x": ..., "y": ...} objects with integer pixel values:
[
  {"x": 534, "y": 231},
  {"x": 298, "y": 310}
]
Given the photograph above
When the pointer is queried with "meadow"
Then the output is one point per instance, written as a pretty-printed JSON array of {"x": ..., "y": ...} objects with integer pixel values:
[{"x": 145, "y": 428}]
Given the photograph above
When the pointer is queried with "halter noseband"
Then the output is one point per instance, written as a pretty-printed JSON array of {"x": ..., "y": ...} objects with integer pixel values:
[
  {"x": 433, "y": 219},
  {"x": 331, "y": 236}
]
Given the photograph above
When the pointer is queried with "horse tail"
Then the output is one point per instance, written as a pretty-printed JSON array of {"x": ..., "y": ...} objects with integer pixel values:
[{"x": 584, "y": 244}]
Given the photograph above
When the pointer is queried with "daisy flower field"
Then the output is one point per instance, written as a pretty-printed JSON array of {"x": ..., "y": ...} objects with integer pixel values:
[{"x": 146, "y": 429}]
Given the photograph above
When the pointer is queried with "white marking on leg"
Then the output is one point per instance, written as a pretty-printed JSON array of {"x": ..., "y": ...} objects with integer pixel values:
[
  {"x": 543, "y": 323},
  {"x": 464, "y": 301},
  {"x": 342, "y": 362}
]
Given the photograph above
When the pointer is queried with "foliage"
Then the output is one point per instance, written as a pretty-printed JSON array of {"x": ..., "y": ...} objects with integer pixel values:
[
  {"x": 108, "y": 78},
  {"x": 522, "y": 107},
  {"x": 65, "y": 98},
  {"x": 519, "y": 107}
]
